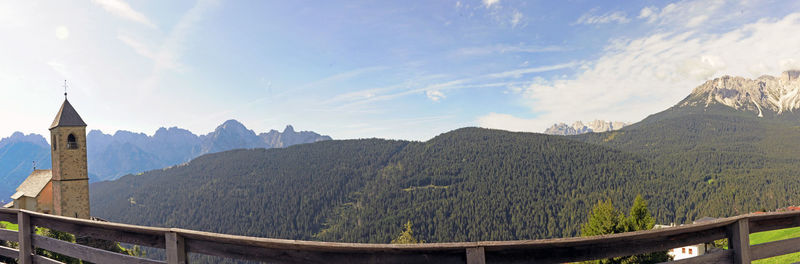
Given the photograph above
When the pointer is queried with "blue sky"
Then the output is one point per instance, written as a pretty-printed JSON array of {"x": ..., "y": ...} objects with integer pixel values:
[{"x": 388, "y": 69}]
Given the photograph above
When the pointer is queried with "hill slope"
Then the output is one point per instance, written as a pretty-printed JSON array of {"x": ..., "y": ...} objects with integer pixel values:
[{"x": 466, "y": 185}]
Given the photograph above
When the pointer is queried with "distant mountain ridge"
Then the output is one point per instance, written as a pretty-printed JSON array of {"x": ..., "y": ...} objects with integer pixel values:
[
  {"x": 577, "y": 128},
  {"x": 124, "y": 152},
  {"x": 766, "y": 95}
]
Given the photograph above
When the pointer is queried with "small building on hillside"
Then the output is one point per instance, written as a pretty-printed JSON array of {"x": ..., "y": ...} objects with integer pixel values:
[
  {"x": 63, "y": 190},
  {"x": 689, "y": 251}
]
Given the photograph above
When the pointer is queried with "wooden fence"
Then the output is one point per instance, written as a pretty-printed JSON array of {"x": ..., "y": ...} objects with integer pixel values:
[{"x": 178, "y": 242}]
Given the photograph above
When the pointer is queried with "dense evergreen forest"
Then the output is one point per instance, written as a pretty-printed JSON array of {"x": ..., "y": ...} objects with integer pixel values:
[{"x": 472, "y": 184}]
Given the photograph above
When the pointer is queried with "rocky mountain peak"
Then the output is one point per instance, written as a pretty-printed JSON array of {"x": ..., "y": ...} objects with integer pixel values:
[
  {"x": 17, "y": 137},
  {"x": 579, "y": 127},
  {"x": 764, "y": 95}
]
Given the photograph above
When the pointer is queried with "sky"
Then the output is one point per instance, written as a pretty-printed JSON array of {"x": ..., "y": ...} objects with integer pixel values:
[{"x": 386, "y": 69}]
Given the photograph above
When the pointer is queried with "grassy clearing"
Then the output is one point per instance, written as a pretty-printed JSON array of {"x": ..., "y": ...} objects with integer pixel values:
[
  {"x": 776, "y": 235},
  {"x": 8, "y": 225}
]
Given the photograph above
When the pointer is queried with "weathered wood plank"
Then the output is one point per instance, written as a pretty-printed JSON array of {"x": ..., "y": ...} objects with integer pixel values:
[
  {"x": 8, "y": 235},
  {"x": 257, "y": 253},
  {"x": 9, "y": 252},
  {"x": 524, "y": 251},
  {"x": 775, "y": 248},
  {"x": 683, "y": 235},
  {"x": 86, "y": 253},
  {"x": 775, "y": 222},
  {"x": 8, "y": 215},
  {"x": 739, "y": 241},
  {"x": 176, "y": 248},
  {"x": 102, "y": 230},
  {"x": 476, "y": 256},
  {"x": 44, "y": 260},
  {"x": 24, "y": 238},
  {"x": 722, "y": 256},
  {"x": 559, "y": 253}
]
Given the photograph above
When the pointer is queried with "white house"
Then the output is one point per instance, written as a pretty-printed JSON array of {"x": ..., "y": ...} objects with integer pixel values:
[{"x": 689, "y": 251}]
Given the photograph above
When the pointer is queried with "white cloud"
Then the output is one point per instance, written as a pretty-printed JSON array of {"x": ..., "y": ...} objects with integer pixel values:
[
  {"x": 696, "y": 21},
  {"x": 434, "y": 95},
  {"x": 123, "y": 10},
  {"x": 647, "y": 12},
  {"x": 490, "y": 3},
  {"x": 167, "y": 55},
  {"x": 638, "y": 77},
  {"x": 611, "y": 17},
  {"x": 688, "y": 13},
  {"x": 137, "y": 46},
  {"x": 62, "y": 32},
  {"x": 516, "y": 18},
  {"x": 501, "y": 48},
  {"x": 520, "y": 72},
  {"x": 510, "y": 123}
]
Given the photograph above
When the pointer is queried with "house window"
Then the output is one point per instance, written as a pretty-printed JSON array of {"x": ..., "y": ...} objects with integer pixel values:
[
  {"x": 683, "y": 250},
  {"x": 71, "y": 143},
  {"x": 690, "y": 251},
  {"x": 54, "y": 142}
]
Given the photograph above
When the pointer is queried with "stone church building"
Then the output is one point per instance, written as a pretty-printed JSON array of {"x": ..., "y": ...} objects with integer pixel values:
[{"x": 63, "y": 190}]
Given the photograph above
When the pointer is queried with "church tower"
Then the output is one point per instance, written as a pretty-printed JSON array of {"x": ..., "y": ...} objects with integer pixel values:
[{"x": 70, "y": 174}]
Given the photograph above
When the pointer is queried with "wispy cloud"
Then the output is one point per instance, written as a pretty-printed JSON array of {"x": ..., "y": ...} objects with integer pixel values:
[
  {"x": 137, "y": 46},
  {"x": 166, "y": 57},
  {"x": 435, "y": 95},
  {"x": 490, "y": 3},
  {"x": 435, "y": 91},
  {"x": 124, "y": 10},
  {"x": 336, "y": 79},
  {"x": 520, "y": 72},
  {"x": 516, "y": 18},
  {"x": 502, "y": 48},
  {"x": 611, "y": 17},
  {"x": 687, "y": 13}
]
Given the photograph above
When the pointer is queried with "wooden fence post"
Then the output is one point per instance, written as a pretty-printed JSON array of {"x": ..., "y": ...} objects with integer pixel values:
[
  {"x": 24, "y": 230},
  {"x": 739, "y": 241},
  {"x": 176, "y": 248},
  {"x": 476, "y": 255}
]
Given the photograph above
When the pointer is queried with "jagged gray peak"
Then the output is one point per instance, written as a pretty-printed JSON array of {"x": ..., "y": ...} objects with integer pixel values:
[
  {"x": 764, "y": 95},
  {"x": 579, "y": 127},
  {"x": 111, "y": 156}
]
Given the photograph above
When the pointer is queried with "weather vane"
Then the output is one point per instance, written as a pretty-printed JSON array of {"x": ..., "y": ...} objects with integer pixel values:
[{"x": 65, "y": 89}]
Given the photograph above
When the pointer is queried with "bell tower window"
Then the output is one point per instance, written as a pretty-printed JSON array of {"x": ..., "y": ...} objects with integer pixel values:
[{"x": 71, "y": 143}]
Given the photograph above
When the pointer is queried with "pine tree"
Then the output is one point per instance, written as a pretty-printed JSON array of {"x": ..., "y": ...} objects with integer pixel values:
[
  {"x": 640, "y": 218},
  {"x": 603, "y": 220},
  {"x": 607, "y": 220},
  {"x": 407, "y": 236}
]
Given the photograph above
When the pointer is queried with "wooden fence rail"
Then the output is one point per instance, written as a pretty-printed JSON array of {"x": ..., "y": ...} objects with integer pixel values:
[{"x": 178, "y": 242}]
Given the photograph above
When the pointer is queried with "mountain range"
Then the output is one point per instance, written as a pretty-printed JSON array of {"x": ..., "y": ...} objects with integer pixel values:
[
  {"x": 730, "y": 147},
  {"x": 579, "y": 127},
  {"x": 124, "y": 152}
]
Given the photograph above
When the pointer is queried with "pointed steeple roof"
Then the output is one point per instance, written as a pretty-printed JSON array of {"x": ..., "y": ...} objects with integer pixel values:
[{"x": 67, "y": 116}]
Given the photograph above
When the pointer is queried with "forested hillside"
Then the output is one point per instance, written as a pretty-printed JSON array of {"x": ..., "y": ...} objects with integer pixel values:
[
  {"x": 288, "y": 193},
  {"x": 732, "y": 161},
  {"x": 469, "y": 184}
]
